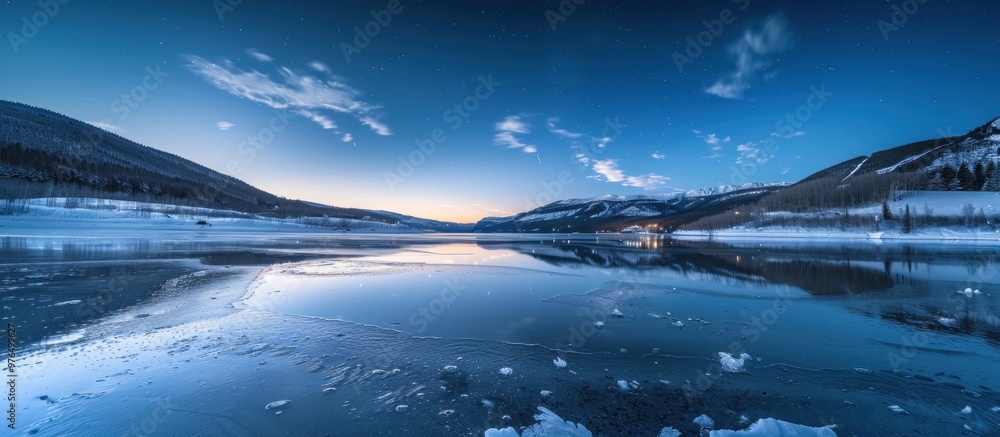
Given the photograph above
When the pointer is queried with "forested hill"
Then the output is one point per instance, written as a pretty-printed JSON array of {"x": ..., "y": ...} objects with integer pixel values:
[{"x": 43, "y": 154}]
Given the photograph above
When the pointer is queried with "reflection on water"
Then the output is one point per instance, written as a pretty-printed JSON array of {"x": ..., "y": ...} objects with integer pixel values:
[{"x": 848, "y": 329}]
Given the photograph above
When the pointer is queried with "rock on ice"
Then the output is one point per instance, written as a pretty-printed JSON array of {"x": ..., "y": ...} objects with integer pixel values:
[{"x": 731, "y": 364}]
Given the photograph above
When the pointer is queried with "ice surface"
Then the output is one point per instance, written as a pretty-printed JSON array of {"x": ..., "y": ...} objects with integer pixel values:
[
  {"x": 559, "y": 362},
  {"x": 669, "y": 432},
  {"x": 776, "y": 428},
  {"x": 277, "y": 404},
  {"x": 704, "y": 422},
  {"x": 549, "y": 425},
  {"x": 506, "y": 371},
  {"x": 731, "y": 364}
]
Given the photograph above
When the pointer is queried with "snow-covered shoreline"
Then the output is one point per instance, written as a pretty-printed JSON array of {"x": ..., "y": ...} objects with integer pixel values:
[{"x": 937, "y": 235}]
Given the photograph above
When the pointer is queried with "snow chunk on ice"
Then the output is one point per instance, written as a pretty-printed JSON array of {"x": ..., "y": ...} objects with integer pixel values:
[
  {"x": 970, "y": 292},
  {"x": 549, "y": 424},
  {"x": 506, "y": 371},
  {"x": 450, "y": 368},
  {"x": 897, "y": 409},
  {"x": 599, "y": 324},
  {"x": 777, "y": 428},
  {"x": 947, "y": 321},
  {"x": 669, "y": 432},
  {"x": 487, "y": 403},
  {"x": 678, "y": 324},
  {"x": 704, "y": 421},
  {"x": 622, "y": 385},
  {"x": 995, "y": 409},
  {"x": 967, "y": 410},
  {"x": 616, "y": 313},
  {"x": 277, "y": 404},
  {"x": 546, "y": 393},
  {"x": 559, "y": 362},
  {"x": 68, "y": 302},
  {"x": 731, "y": 364},
  {"x": 401, "y": 407}
]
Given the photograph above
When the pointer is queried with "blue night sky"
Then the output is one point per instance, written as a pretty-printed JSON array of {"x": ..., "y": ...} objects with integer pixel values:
[{"x": 550, "y": 105}]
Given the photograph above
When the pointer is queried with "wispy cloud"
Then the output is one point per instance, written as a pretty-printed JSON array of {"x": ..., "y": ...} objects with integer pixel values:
[
  {"x": 347, "y": 137},
  {"x": 319, "y": 66},
  {"x": 714, "y": 139},
  {"x": 749, "y": 54},
  {"x": 320, "y": 119},
  {"x": 107, "y": 126},
  {"x": 377, "y": 126},
  {"x": 301, "y": 94},
  {"x": 224, "y": 125},
  {"x": 551, "y": 124},
  {"x": 608, "y": 170},
  {"x": 750, "y": 152},
  {"x": 507, "y": 131},
  {"x": 259, "y": 56},
  {"x": 795, "y": 134},
  {"x": 658, "y": 155}
]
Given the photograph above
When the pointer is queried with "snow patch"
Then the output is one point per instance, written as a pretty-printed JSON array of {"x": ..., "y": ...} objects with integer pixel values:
[
  {"x": 777, "y": 428},
  {"x": 897, "y": 409},
  {"x": 731, "y": 364},
  {"x": 277, "y": 404},
  {"x": 549, "y": 425}
]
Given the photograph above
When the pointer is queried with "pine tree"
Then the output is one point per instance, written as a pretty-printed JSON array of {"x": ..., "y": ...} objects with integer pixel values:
[
  {"x": 947, "y": 176},
  {"x": 886, "y": 212},
  {"x": 907, "y": 220},
  {"x": 966, "y": 180},
  {"x": 980, "y": 173}
]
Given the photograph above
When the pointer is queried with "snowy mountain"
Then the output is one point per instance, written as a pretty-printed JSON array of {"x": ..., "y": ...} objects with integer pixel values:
[
  {"x": 45, "y": 154},
  {"x": 930, "y": 158},
  {"x": 613, "y": 213}
]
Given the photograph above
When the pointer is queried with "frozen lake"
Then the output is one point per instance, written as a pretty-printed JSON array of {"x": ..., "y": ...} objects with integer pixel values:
[{"x": 454, "y": 335}]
